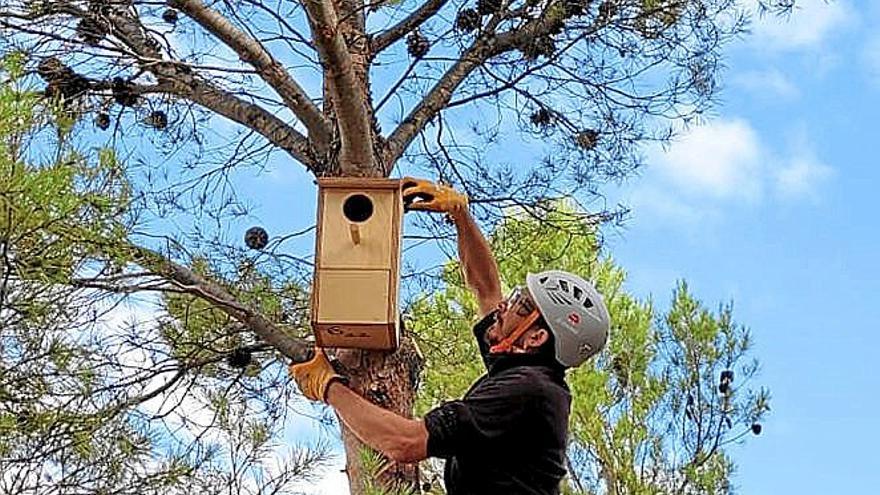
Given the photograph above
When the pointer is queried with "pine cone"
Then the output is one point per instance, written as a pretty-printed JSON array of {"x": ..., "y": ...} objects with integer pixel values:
[
  {"x": 239, "y": 358},
  {"x": 546, "y": 46},
  {"x": 538, "y": 47},
  {"x": 543, "y": 117},
  {"x": 123, "y": 92},
  {"x": 157, "y": 120},
  {"x": 52, "y": 69},
  {"x": 607, "y": 10},
  {"x": 468, "y": 20},
  {"x": 62, "y": 81},
  {"x": 487, "y": 7},
  {"x": 91, "y": 31},
  {"x": 256, "y": 238},
  {"x": 170, "y": 16},
  {"x": 587, "y": 139},
  {"x": 102, "y": 121},
  {"x": 53, "y": 90},
  {"x": 575, "y": 7},
  {"x": 417, "y": 45}
]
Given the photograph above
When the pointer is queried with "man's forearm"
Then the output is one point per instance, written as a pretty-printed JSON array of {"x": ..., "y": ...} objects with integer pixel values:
[
  {"x": 401, "y": 439},
  {"x": 477, "y": 261}
]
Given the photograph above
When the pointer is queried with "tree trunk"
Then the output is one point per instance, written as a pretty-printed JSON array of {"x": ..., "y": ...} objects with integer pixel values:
[{"x": 385, "y": 379}]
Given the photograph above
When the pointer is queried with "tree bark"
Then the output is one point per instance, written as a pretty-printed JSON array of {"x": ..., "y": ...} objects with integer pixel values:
[
  {"x": 336, "y": 31},
  {"x": 387, "y": 379}
]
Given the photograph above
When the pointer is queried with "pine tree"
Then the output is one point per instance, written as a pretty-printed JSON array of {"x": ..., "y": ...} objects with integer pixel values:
[
  {"x": 649, "y": 414},
  {"x": 233, "y": 84}
]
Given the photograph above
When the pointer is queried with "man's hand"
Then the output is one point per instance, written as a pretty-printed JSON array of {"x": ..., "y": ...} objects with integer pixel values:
[
  {"x": 432, "y": 196},
  {"x": 314, "y": 376}
]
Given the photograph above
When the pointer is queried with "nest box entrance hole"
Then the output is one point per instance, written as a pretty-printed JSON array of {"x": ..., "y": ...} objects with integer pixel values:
[{"x": 357, "y": 208}]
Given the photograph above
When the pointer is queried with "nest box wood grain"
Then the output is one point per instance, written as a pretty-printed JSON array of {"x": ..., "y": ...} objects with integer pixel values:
[{"x": 357, "y": 263}]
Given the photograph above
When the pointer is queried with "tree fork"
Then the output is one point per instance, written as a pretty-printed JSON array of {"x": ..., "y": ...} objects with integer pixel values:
[{"x": 335, "y": 34}]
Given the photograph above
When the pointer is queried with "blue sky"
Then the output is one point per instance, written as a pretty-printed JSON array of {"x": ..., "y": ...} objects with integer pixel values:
[{"x": 768, "y": 204}]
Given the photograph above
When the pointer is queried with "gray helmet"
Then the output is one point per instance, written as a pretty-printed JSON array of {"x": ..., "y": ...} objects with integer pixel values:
[{"x": 575, "y": 312}]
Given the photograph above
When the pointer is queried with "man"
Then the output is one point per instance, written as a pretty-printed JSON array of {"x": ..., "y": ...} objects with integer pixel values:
[{"x": 507, "y": 435}]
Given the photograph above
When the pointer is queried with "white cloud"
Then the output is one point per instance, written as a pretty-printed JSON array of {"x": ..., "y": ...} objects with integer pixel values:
[
  {"x": 801, "y": 177},
  {"x": 801, "y": 173},
  {"x": 720, "y": 159},
  {"x": 652, "y": 203},
  {"x": 769, "y": 83},
  {"x": 810, "y": 24},
  {"x": 721, "y": 165}
]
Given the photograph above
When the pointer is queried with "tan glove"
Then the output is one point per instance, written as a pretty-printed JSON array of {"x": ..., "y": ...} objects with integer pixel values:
[
  {"x": 314, "y": 376},
  {"x": 432, "y": 197}
]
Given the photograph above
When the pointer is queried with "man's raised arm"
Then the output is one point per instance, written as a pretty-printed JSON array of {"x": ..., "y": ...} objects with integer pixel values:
[{"x": 477, "y": 262}]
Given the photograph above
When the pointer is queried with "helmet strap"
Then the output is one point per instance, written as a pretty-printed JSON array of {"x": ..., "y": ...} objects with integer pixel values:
[{"x": 507, "y": 344}]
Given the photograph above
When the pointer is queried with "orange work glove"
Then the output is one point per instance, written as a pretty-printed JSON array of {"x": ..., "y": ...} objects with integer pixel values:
[
  {"x": 314, "y": 376},
  {"x": 432, "y": 197}
]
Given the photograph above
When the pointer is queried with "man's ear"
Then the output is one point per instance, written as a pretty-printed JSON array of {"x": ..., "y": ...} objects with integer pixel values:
[{"x": 536, "y": 338}]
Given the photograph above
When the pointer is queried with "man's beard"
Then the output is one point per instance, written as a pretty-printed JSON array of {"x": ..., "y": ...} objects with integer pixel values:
[{"x": 492, "y": 336}]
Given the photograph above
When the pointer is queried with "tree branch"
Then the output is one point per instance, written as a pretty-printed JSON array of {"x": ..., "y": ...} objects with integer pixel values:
[
  {"x": 388, "y": 37},
  {"x": 434, "y": 101},
  {"x": 180, "y": 81},
  {"x": 247, "y": 114},
  {"x": 439, "y": 96},
  {"x": 356, "y": 155},
  {"x": 251, "y": 51},
  {"x": 193, "y": 283}
]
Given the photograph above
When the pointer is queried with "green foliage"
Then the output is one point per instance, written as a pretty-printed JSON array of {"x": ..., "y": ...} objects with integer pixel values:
[
  {"x": 39, "y": 195},
  {"x": 39, "y": 244},
  {"x": 59, "y": 208},
  {"x": 373, "y": 465},
  {"x": 74, "y": 387},
  {"x": 198, "y": 330},
  {"x": 647, "y": 415}
]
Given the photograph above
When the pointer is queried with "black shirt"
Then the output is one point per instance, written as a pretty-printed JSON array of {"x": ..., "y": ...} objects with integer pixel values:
[{"x": 507, "y": 435}]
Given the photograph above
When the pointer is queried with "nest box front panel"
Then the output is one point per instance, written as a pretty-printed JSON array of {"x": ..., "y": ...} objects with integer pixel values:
[
  {"x": 357, "y": 229},
  {"x": 354, "y": 296}
]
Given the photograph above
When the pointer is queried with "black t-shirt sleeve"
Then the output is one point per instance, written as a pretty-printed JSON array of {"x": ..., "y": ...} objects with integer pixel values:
[
  {"x": 480, "y": 330},
  {"x": 483, "y": 421}
]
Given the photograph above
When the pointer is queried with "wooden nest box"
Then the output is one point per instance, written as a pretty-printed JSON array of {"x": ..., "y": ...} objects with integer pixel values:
[{"x": 357, "y": 263}]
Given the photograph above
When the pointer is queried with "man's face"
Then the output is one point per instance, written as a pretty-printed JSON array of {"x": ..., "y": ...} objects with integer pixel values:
[{"x": 509, "y": 313}]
